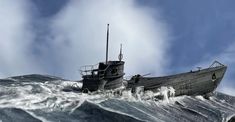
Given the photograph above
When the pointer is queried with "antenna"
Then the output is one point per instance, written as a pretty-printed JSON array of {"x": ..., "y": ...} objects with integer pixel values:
[
  {"x": 120, "y": 56},
  {"x": 107, "y": 44}
]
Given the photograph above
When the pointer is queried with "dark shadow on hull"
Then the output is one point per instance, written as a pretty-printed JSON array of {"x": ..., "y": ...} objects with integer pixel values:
[{"x": 232, "y": 119}]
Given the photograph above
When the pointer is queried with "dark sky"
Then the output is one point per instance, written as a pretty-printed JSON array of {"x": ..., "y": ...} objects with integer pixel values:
[
  {"x": 199, "y": 27},
  {"x": 202, "y": 30}
]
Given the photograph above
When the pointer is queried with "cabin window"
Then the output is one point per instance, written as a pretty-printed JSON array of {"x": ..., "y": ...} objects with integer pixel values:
[
  {"x": 137, "y": 78},
  {"x": 114, "y": 71},
  {"x": 213, "y": 76}
]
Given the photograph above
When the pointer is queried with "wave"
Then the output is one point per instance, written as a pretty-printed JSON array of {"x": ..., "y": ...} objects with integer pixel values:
[
  {"x": 44, "y": 98},
  {"x": 16, "y": 114}
]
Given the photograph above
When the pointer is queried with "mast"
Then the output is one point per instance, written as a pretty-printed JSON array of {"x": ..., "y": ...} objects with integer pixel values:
[
  {"x": 107, "y": 44},
  {"x": 120, "y": 56}
]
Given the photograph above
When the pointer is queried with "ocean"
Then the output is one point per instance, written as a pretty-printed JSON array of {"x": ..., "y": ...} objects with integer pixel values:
[{"x": 43, "y": 98}]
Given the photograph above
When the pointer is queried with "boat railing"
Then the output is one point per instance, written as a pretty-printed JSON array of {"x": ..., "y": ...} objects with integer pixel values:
[
  {"x": 93, "y": 70},
  {"x": 86, "y": 70},
  {"x": 216, "y": 64}
]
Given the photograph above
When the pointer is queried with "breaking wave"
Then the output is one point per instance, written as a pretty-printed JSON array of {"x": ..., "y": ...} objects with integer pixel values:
[{"x": 48, "y": 98}]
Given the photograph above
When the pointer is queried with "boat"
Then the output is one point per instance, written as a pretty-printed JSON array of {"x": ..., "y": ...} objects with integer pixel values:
[
  {"x": 199, "y": 82},
  {"x": 109, "y": 75},
  {"x": 106, "y": 75}
]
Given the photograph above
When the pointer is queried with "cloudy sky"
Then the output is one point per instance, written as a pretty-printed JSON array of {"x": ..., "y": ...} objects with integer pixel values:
[{"x": 160, "y": 37}]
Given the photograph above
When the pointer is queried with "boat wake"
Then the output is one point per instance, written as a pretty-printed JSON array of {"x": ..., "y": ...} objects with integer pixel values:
[{"x": 47, "y": 98}]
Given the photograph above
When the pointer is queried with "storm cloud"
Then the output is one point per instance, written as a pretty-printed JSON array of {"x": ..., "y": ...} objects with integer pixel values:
[
  {"x": 79, "y": 36},
  {"x": 76, "y": 36},
  {"x": 16, "y": 39}
]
